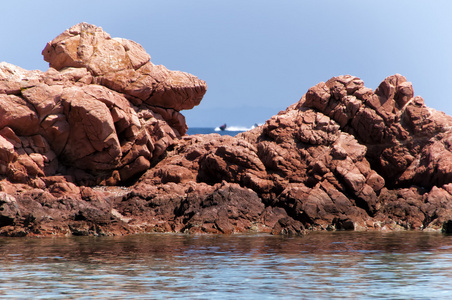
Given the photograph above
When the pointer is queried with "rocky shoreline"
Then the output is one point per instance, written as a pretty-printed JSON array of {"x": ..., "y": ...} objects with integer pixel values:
[{"x": 96, "y": 145}]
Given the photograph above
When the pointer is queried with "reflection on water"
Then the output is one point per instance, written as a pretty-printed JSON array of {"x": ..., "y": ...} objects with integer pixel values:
[{"x": 406, "y": 265}]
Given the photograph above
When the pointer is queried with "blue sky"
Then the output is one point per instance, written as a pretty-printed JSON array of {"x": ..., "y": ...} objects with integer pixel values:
[{"x": 257, "y": 56}]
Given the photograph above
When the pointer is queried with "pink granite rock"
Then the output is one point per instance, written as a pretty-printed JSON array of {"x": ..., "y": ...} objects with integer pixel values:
[
  {"x": 124, "y": 66},
  {"x": 89, "y": 131},
  {"x": 95, "y": 146}
]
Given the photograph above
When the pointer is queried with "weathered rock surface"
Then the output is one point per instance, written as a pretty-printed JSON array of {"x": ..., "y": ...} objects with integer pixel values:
[
  {"x": 343, "y": 157},
  {"x": 96, "y": 145},
  {"x": 69, "y": 120},
  {"x": 124, "y": 66}
]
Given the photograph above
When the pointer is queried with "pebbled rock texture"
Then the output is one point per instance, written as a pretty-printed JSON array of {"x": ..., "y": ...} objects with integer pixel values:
[{"x": 96, "y": 145}]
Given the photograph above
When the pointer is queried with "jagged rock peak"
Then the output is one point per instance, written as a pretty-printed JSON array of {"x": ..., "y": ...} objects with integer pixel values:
[
  {"x": 86, "y": 45},
  {"x": 124, "y": 66},
  {"x": 101, "y": 113}
]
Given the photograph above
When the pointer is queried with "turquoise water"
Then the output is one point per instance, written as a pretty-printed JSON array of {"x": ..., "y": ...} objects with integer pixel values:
[{"x": 337, "y": 265}]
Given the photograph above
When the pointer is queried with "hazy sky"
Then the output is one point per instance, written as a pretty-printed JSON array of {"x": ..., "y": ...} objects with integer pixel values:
[{"x": 257, "y": 56}]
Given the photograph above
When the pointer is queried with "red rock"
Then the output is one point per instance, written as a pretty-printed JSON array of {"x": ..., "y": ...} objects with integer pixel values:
[
  {"x": 18, "y": 114},
  {"x": 176, "y": 174},
  {"x": 344, "y": 157},
  {"x": 63, "y": 188},
  {"x": 44, "y": 99},
  {"x": 7, "y": 155},
  {"x": 85, "y": 45},
  {"x": 138, "y": 166},
  {"x": 318, "y": 96},
  {"x": 13, "y": 79},
  {"x": 228, "y": 209},
  {"x": 89, "y": 130},
  {"x": 10, "y": 77},
  {"x": 288, "y": 226},
  {"x": 92, "y": 143},
  {"x": 9, "y": 211},
  {"x": 124, "y": 66}
]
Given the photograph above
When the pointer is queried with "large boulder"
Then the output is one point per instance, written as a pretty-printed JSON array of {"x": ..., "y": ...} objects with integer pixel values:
[
  {"x": 124, "y": 66},
  {"x": 64, "y": 121}
]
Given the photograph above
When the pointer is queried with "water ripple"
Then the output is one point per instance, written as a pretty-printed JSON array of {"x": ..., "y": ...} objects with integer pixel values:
[{"x": 159, "y": 266}]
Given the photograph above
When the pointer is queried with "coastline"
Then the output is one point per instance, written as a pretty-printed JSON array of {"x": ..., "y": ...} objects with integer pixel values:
[{"x": 89, "y": 148}]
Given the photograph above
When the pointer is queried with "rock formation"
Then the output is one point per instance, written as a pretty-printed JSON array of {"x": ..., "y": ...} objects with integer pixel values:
[
  {"x": 96, "y": 145},
  {"x": 343, "y": 157},
  {"x": 102, "y": 113}
]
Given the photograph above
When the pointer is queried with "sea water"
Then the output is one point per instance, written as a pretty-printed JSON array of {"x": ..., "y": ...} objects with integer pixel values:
[
  {"x": 320, "y": 265},
  {"x": 231, "y": 130}
]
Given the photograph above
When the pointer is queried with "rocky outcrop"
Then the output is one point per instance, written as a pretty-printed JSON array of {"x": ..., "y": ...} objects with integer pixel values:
[
  {"x": 81, "y": 118},
  {"x": 96, "y": 145},
  {"x": 123, "y": 66},
  {"x": 343, "y": 157}
]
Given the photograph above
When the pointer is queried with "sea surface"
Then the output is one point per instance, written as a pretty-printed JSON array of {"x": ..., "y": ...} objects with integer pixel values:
[
  {"x": 230, "y": 130},
  {"x": 320, "y": 265}
]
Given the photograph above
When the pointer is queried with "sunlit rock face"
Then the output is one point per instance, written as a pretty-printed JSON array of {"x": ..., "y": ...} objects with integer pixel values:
[
  {"x": 96, "y": 145},
  {"x": 124, "y": 66},
  {"x": 102, "y": 113},
  {"x": 343, "y": 157}
]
